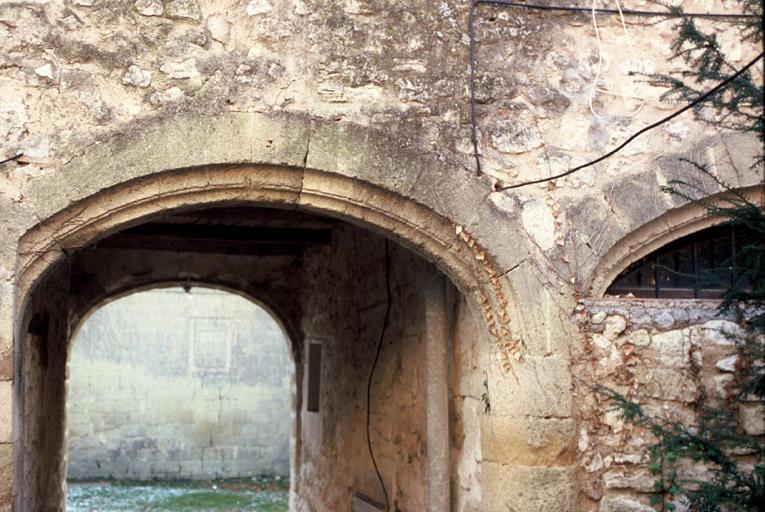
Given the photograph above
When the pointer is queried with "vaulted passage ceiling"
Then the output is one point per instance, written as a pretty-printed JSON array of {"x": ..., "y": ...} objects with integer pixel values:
[{"x": 235, "y": 231}]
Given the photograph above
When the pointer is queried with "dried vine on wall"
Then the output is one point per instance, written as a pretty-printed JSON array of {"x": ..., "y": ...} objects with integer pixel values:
[{"x": 494, "y": 312}]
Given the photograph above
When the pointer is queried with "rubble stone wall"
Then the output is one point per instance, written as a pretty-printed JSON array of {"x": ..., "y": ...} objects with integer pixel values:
[
  {"x": 662, "y": 354},
  {"x": 360, "y": 109}
]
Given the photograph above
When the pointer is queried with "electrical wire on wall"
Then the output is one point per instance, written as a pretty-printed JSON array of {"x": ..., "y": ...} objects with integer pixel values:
[
  {"x": 673, "y": 13},
  {"x": 594, "y": 89},
  {"x": 628, "y": 12},
  {"x": 374, "y": 367},
  {"x": 14, "y": 157},
  {"x": 719, "y": 87}
]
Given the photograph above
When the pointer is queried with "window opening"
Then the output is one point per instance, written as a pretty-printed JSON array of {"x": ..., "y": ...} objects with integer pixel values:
[{"x": 698, "y": 266}]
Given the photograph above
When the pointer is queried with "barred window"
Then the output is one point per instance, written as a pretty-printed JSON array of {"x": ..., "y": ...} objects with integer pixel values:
[{"x": 698, "y": 266}]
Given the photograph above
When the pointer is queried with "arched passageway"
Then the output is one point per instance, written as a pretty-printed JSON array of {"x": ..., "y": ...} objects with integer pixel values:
[
  {"x": 179, "y": 383},
  {"x": 340, "y": 291},
  {"x": 441, "y": 227}
]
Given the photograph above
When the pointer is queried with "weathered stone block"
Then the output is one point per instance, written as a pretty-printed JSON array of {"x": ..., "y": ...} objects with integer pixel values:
[
  {"x": 539, "y": 222},
  {"x": 184, "y": 9},
  {"x": 721, "y": 332},
  {"x": 721, "y": 385},
  {"x": 615, "y": 325},
  {"x": 671, "y": 384},
  {"x": 664, "y": 320},
  {"x": 149, "y": 7},
  {"x": 6, "y": 400},
  {"x": 137, "y": 77},
  {"x": 598, "y": 318},
  {"x": 541, "y": 386},
  {"x": 639, "y": 480},
  {"x": 727, "y": 364},
  {"x": 6, "y": 480},
  {"x": 6, "y": 361},
  {"x": 527, "y": 441},
  {"x": 672, "y": 348},
  {"x": 527, "y": 488},
  {"x": 753, "y": 419},
  {"x": 620, "y": 504},
  {"x": 639, "y": 338}
]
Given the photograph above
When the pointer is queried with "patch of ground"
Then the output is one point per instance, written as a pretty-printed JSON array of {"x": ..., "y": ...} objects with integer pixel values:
[{"x": 262, "y": 495}]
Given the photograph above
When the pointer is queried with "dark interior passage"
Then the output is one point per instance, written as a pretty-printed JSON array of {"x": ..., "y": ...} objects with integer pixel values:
[{"x": 329, "y": 283}]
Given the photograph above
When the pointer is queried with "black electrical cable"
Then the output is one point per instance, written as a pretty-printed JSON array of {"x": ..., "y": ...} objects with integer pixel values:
[
  {"x": 372, "y": 372},
  {"x": 473, "y": 117},
  {"x": 562, "y": 8},
  {"x": 15, "y": 157},
  {"x": 625, "y": 12},
  {"x": 711, "y": 92}
]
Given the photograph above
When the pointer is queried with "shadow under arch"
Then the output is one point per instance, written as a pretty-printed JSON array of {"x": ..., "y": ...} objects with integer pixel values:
[{"x": 670, "y": 226}]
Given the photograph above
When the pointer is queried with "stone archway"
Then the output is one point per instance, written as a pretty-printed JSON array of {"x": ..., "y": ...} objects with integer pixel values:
[
  {"x": 179, "y": 381},
  {"x": 349, "y": 173},
  {"x": 114, "y": 291},
  {"x": 288, "y": 161},
  {"x": 85, "y": 275},
  {"x": 660, "y": 231},
  {"x": 411, "y": 224},
  {"x": 257, "y": 297}
]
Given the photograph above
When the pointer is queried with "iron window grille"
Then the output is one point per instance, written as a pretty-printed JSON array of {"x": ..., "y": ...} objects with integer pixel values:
[{"x": 698, "y": 266}]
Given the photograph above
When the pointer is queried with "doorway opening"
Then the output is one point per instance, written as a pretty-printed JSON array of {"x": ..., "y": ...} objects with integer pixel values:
[
  {"x": 179, "y": 396},
  {"x": 347, "y": 281}
]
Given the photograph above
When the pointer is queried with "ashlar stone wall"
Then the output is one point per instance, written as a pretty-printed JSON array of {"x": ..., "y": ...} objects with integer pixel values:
[
  {"x": 168, "y": 384},
  {"x": 662, "y": 354}
]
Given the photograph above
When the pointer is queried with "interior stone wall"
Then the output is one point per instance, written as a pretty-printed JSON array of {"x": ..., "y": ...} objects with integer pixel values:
[
  {"x": 168, "y": 384},
  {"x": 662, "y": 354},
  {"x": 335, "y": 453}
]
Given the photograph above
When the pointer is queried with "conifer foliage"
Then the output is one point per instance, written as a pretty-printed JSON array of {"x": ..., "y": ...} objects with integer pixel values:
[
  {"x": 739, "y": 106},
  {"x": 716, "y": 439}
]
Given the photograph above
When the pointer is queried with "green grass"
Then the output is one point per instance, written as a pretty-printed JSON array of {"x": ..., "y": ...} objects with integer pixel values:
[
  {"x": 210, "y": 500},
  {"x": 262, "y": 495}
]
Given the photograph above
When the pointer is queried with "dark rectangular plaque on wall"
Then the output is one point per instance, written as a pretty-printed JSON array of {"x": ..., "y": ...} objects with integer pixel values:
[{"x": 314, "y": 377}]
